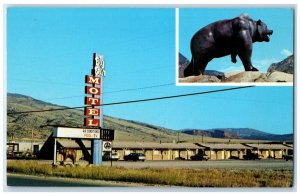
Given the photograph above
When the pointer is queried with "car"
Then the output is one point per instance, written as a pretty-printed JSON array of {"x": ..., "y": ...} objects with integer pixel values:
[
  {"x": 288, "y": 157},
  {"x": 135, "y": 157},
  {"x": 253, "y": 156},
  {"x": 114, "y": 157},
  {"x": 199, "y": 157}
]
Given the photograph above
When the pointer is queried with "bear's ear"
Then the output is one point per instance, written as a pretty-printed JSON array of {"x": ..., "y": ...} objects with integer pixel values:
[{"x": 258, "y": 22}]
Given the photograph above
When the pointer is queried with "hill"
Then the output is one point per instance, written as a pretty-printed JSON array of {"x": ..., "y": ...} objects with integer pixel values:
[
  {"x": 286, "y": 65},
  {"x": 240, "y": 133},
  {"x": 21, "y": 126}
]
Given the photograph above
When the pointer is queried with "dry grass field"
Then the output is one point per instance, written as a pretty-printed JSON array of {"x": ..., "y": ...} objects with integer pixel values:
[{"x": 166, "y": 176}]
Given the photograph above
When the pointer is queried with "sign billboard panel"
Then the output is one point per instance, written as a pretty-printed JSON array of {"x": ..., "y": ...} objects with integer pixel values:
[{"x": 66, "y": 132}]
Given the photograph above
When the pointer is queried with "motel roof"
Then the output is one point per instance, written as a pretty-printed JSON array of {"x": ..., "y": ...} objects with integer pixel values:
[
  {"x": 69, "y": 143},
  {"x": 224, "y": 146},
  {"x": 269, "y": 146},
  {"x": 153, "y": 145},
  {"x": 289, "y": 145}
]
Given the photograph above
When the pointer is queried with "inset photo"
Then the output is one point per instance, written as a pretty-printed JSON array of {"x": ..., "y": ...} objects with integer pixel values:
[{"x": 235, "y": 46}]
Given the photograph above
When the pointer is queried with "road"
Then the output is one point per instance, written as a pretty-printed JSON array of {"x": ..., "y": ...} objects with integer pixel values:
[{"x": 38, "y": 181}]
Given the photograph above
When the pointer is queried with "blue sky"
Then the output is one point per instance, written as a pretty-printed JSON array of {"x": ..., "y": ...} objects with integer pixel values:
[
  {"x": 280, "y": 20},
  {"x": 49, "y": 51}
]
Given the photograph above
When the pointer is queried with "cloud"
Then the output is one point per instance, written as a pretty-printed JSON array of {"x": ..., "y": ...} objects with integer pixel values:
[{"x": 286, "y": 52}]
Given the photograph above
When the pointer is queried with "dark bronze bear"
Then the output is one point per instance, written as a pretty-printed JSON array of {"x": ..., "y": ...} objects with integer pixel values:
[{"x": 226, "y": 37}]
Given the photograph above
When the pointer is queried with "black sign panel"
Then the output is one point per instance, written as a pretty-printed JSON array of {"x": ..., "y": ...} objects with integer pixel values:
[{"x": 107, "y": 134}]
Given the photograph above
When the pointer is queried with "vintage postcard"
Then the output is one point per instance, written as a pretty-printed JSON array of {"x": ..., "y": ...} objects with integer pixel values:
[{"x": 93, "y": 99}]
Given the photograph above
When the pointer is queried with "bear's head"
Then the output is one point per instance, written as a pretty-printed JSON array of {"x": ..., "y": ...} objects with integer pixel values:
[{"x": 262, "y": 32}]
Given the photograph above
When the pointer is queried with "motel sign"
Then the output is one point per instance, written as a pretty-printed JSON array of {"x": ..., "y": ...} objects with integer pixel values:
[
  {"x": 93, "y": 99},
  {"x": 93, "y": 120}
]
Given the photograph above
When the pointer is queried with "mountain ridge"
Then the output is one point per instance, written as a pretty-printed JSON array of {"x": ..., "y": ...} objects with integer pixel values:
[
  {"x": 24, "y": 124},
  {"x": 239, "y": 133}
]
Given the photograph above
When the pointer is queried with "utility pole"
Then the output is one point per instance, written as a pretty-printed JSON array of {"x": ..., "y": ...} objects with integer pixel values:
[{"x": 178, "y": 137}]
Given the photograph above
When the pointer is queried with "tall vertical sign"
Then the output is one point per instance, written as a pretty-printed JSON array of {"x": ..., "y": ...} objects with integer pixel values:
[{"x": 93, "y": 100}]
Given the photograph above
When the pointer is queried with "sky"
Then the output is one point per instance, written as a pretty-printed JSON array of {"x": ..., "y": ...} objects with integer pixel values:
[
  {"x": 280, "y": 20},
  {"x": 49, "y": 52}
]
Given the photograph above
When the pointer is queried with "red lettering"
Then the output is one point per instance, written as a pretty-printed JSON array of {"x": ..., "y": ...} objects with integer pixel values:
[
  {"x": 92, "y": 101},
  {"x": 92, "y": 90},
  {"x": 93, "y": 80},
  {"x": 91, "y": 112},
  {"x": 89, "y": 122}
]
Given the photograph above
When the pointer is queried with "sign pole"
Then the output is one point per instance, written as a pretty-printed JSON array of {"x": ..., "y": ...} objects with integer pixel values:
[
  {"x": 54, "y": 154},
  {"x": 97, "y": 143},
  {"x": 111, "y": 155},
  {"x": 93, "y": 145}
]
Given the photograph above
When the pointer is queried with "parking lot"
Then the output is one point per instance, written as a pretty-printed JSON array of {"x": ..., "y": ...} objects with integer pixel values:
[{"x": 230, "y": 164}]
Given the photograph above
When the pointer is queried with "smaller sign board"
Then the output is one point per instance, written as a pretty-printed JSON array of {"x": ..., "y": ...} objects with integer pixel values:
[
  {"x": 66, "y": 132},
  {"x": 107, "y": 146},
  {"x": 107, "y": 134}
]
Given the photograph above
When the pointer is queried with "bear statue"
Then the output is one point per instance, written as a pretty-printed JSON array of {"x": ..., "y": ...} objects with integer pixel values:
[{"x": 226, "y": 37}]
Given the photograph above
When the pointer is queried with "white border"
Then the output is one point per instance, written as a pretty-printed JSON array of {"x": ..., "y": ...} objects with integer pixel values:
[
  {"x": 177, "y": 45},
  {"x": 127, "y": 191}
]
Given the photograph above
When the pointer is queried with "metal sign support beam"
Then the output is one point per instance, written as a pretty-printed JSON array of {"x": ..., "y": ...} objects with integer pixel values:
[
  {"x": 54, "y": 152},
  {"x": 97, "y": 144}
]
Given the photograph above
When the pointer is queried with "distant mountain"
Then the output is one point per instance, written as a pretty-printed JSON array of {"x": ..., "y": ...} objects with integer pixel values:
[
  {"x": 23, "y": 125},
  {"x": 241, "y": 133},
  {"x": 286, "y": 65}
]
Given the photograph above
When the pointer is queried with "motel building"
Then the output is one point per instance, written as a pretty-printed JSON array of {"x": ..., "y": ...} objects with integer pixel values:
[
  {"x": 164, "y": 151},
  {"x": 153, "y": 151},
  {"x": 275, "y": 151},
  {"x": 224, "y": 151},
  {"x": 157, "y": 151}
]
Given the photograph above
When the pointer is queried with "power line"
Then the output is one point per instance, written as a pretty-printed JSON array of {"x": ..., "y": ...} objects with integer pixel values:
[
  {"x": 140, "y": 88},
  {"x": 116, "y": 91},
  {"x": 82, "y": 84},
  {"x": 136, "y": 101}
]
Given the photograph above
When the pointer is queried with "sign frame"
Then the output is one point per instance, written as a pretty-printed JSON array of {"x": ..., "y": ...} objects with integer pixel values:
[{"x": 76, "y": 133}]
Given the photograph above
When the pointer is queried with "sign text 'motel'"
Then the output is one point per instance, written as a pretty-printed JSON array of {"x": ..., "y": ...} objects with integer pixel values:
[{"x": 93, "y": 92}]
